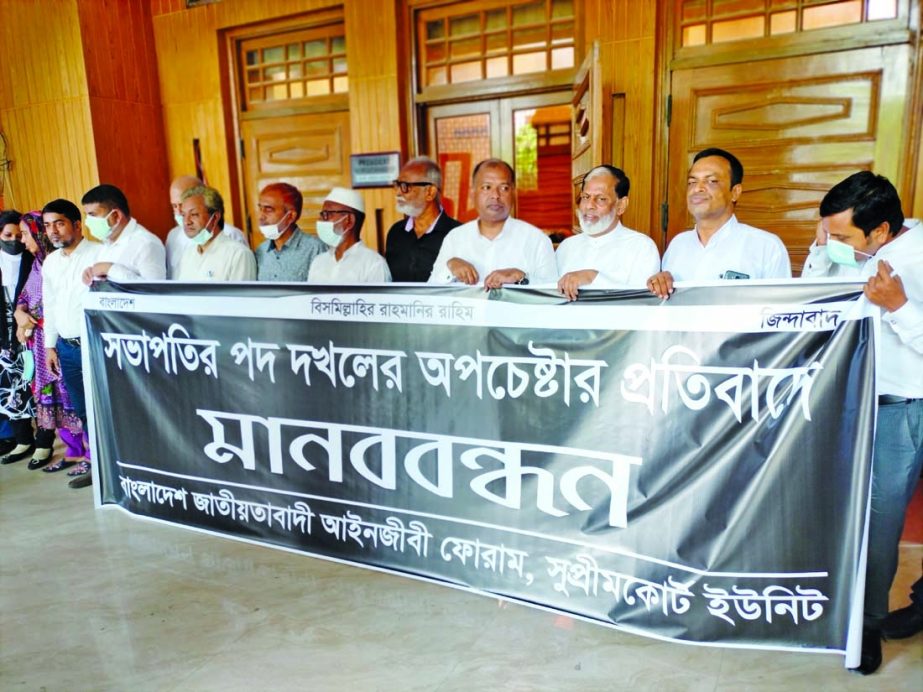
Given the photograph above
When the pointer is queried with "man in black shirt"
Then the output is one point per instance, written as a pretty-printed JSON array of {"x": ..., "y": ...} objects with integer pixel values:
[{"x": 414, "y": 243}]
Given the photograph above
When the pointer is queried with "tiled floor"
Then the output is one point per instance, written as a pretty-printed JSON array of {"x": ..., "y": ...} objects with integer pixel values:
[{"x": 98, "y": 600}]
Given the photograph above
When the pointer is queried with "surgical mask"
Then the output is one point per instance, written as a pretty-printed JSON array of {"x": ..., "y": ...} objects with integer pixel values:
[
  {"x": 843, "y": 253},
  {"x": 98, "y": 226},
  {"x": 12, "y": 247},
  {"x": 326, "y": 231},
  {"x": 274, "y": 231},
  {"x": 179, "y": 219},
  {"x": 204, "y": 235}
]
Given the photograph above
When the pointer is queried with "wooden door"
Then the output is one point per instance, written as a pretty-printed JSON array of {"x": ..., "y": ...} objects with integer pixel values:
[
  {"x": 309, "y": 151},
  {"x": 531, "y": 132},
  {"x": 798, "y": 125},
  {"x": 590, "y": 129}
]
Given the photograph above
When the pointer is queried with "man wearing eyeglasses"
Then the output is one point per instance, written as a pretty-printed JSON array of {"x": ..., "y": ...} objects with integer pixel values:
[
  {"x": 606, "y": 253},
  {"x": 413, "y": 244},
  {"x": 348, "y": 260},
  {"x": 495, "y": 249}
]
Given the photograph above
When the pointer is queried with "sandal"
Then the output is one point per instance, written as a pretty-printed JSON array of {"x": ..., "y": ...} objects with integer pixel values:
[
  {"x": 80, "y": 469},
  {"x": 58, "y": 466}
]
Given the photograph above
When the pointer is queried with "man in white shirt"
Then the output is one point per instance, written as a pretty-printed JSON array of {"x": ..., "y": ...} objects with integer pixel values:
[
  {"x": 177, "y": 240},
  {"x": 862, "y": 220},
  {"x": 606, "y": 253},
  {"x": 62, "y": 296},
  {"x": 495, "y": 249},
  {"x": 348, "y": 260},
  {"x": 719, "y": 247},
  {"x": 211, "y": 255},
  {"x": 129, "y": 251}
]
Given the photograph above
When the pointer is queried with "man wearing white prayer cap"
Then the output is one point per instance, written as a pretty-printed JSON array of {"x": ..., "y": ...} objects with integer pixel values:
[{"x": 349, "y": 260}]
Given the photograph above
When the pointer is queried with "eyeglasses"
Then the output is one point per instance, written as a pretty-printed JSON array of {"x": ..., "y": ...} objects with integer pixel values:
[
  {"x": 326, "y": 215},
  {"x": 404, "y": 186}
]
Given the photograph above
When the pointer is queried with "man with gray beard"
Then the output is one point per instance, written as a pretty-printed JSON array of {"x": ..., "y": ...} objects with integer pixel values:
[
  {"x": 413, "y": 244},
  {"x": 606, "y": 254}
]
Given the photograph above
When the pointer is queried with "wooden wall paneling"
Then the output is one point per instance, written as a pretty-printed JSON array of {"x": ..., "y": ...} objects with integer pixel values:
[
  {"x": 374, "y": 96},
  {"x": 626, "y": 30},
  {"x": 44, "y": 106},
  {"x": 125, "y": 105},
  {"x": 190, "y": 69}
]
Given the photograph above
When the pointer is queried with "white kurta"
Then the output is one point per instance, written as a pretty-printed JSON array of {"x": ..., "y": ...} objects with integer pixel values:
[
  {"x": 622, "y": 257},
  {"x": 520, "y": 245},
  {"x": 359, "y": 265},
  {"x": 735, "y": 247},
  {"x": 178, "y": 242},
  {"x": 221, "y": 260}
]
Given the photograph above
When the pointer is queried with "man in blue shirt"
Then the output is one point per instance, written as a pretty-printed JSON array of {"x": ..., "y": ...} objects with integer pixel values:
[{"x": 287, "y": 252}]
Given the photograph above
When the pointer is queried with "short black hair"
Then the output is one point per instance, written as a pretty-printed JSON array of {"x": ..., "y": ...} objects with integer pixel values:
[
  {"x": 622, "y": 183},
  {"x": 107, "y": 195},
  {"x": 872, "y": 198},
  {"x": 65, "y": 208},
  {"x": 494, "y": 163},
  {"x": 8, "y": 216},
  {"x": 737, "y": 168}
]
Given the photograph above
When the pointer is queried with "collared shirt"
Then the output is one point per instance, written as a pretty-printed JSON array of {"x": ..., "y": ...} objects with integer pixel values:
[
  {"x": 63, "y": 289},
  {"x": 178, "y": 242},
  {"x": 292, "y": 262},
  {"x": 735, "y": 247},
  {"x": 900, "y": 369},
  {"x": 519, "y": 245},
  {"x": 135, "y": 254},
  {"x": 622, "y": 257},
  {"x": 358, "y": 265},
  {"x": 221, "y": 260}
]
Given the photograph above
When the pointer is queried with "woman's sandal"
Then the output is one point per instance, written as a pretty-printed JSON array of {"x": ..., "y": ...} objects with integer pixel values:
[
  {"x": 80, "y": 469},
  {"x": 59, "y": 466}
]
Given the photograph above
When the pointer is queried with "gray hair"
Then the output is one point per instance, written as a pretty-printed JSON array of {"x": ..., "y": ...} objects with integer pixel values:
[
  {"x": 212, "y": 198},
  {"x": 431, "y": 171}
]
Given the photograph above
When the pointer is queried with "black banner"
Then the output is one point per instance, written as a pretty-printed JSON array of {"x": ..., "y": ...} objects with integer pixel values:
[{"x": 696, "y": 470}]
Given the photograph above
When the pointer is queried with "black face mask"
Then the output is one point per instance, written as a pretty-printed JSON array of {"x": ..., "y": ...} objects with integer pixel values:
[{"x": 12, "y": 247}]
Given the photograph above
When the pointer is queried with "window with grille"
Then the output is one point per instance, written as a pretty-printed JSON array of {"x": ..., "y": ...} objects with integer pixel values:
[
  {"x": 704, "y": 22},
  {"x": 483, "y": 39},
  {"x": 294, "y": 66}
]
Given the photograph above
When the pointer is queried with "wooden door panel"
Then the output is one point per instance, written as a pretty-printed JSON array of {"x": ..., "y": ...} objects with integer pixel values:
[
  {"x": 309, "y": 151},
  {"x": 798, "y": 125}
]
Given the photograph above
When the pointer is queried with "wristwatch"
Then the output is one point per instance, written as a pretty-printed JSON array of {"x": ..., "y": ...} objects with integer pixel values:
[{"x": 524, "y": 281}]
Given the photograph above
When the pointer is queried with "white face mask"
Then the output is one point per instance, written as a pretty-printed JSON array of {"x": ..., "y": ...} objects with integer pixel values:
[
  {"x": 204, "y": 235},
  {"x": 98, "y": 226},
  {"x": 275, "y": 230},
  {"x": 326, "y": 231},
  {"x": 179, "y": 219},
  {"x": 595, "y": 228}
]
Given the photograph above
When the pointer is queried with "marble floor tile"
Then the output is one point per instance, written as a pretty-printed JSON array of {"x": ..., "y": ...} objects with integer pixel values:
[{"x": 98, "y": 600}]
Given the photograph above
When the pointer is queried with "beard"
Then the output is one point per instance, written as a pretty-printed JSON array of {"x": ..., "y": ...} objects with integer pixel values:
[
  {"x": 598, "y": 226},
  {"x": 409, "y": 209}
]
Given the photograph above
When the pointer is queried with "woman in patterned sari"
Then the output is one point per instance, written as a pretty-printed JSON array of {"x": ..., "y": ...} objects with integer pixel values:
[{"x": 52, "y": 406}]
